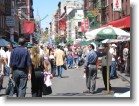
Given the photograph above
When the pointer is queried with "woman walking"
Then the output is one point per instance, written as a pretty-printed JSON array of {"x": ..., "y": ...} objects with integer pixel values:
[{"x": 37, "y": 80}]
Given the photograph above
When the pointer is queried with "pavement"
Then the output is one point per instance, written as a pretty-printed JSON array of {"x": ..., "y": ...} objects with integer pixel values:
[
  {"x": 122, "y": 75},
  {"x": 73, "y": 84}
]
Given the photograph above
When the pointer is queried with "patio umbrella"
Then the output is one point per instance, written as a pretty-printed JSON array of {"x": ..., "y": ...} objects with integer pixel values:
[
  {"x": 82, "y": 43},
  {"x": 107, "y": 33},
  {"x": 3, "y": 42},
  {"x": 111, "y": 41}
]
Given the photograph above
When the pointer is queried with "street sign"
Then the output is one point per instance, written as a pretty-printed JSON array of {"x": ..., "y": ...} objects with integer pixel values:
[
  {"x": 10, "y": 21},
  {"x": 117, "y": 5}
]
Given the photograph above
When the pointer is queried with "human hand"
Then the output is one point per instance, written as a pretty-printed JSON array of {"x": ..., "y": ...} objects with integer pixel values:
[{"x": 29, "y": 76}]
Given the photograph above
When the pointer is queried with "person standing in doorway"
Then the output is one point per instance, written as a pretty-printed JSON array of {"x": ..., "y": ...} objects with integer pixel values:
[
  {"x": 20, "y": 67},
  {"x": 91, "y": 70}
]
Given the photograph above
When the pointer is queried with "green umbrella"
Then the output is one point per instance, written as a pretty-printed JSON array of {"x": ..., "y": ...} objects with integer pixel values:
[
  {"x": 82, "y": 43},
  {"x": 107, "y": 33}
]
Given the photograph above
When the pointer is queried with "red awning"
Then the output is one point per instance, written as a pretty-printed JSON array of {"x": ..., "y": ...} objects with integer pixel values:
[{"x": 121, "y": 23}]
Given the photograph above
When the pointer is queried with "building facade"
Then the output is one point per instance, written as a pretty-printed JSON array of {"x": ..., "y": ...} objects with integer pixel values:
[{"x": 102, "y": 13}]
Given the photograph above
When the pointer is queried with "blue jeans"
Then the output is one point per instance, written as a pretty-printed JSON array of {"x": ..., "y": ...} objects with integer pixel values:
[
  {"x": 70, "y": 61},
  {"x": 76, "y": 60},
  {"x": 6, "y": 70},
  {"x": 20, "y": 79},
  {"x": 113, "y": 70},
  {"x": 59, "y": 68}
]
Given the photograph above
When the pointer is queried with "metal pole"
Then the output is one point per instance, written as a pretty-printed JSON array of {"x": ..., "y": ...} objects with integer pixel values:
[{"x": 108, "y": 72}]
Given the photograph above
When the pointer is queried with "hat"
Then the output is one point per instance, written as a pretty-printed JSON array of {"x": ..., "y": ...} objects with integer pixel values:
[{"x": 113, "y": 45}]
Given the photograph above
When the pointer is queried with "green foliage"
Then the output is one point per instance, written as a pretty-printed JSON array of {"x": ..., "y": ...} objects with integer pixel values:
[
  {"x": 57, "y": 40},
  {"x": 69, "y": 42}
]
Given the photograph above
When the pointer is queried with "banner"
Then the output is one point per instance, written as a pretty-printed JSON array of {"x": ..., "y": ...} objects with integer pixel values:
[
  {"x": 86, "y": 24},
  {"x": 62, "y": 24},
  {"x": 28, "y": 27},
  {"x": 117, "y": 5}
]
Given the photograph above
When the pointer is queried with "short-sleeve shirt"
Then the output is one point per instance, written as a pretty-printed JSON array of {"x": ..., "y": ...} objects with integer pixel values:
[{"x": 20, "y": 58}]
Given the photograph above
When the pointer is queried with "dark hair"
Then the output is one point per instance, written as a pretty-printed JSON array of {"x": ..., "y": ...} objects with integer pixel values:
[
  {"x": 92, "y": 46},
  {"x": 21, "y": 41},
  {"x": 58, "y": 46},
  {"x": 10, "y": 44}
]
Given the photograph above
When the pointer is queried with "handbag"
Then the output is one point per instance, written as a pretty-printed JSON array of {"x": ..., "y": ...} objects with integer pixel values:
[
  {"x": 64, "y": 66},
  {"x": 46, "y": 90},
  {"x": 10, "y": 87}
]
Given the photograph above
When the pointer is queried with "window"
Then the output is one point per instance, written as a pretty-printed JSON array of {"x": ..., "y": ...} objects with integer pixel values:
[{"x": 79, "y": 24}]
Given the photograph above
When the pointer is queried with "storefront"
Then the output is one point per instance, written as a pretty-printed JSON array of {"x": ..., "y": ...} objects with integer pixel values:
[{"x": 123, "y": 23}]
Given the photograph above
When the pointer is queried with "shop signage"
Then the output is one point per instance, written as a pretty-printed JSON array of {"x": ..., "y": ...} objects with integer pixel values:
[
  {"x": 117, "y": 5},
  {"x": 10, "y": 21}
]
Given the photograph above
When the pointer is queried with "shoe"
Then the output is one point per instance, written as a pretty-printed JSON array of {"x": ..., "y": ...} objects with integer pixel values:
[
  {"x": 87, "y": 91},
  {"x": 93, "y": 92}
]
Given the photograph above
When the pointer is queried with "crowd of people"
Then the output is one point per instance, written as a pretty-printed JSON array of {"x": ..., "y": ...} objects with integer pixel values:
[{"x": 22, "y": 64}]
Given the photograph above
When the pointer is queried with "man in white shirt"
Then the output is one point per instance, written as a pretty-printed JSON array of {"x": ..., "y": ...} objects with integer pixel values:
[
  {"x": 104, "y": 65},
  {"x": 113, "y": 73},
  {"x": 7, "y": 60}
]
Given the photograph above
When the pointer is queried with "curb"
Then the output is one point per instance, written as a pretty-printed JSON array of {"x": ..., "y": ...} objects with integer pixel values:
[{"x": 122, "y": 75}]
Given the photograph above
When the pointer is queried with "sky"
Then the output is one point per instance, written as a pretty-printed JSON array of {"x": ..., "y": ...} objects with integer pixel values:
[{"x": 45, "y": 7}]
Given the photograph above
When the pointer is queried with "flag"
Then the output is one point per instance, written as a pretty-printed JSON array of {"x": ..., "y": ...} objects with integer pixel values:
[
  {"x": 28, "y": 27},
  {"x": 86, "y": 24},
  {"x": 62, "y": 24}
]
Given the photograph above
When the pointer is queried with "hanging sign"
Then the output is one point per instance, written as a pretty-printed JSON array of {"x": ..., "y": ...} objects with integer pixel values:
[{"x": 117, "y": 5}]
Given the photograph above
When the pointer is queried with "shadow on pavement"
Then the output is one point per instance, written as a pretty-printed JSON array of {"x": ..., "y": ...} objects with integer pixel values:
[{"x": 115, "y": 89}]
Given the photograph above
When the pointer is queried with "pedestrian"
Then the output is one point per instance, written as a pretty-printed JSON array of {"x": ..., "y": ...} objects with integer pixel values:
[
  {"x": 59, "y": 57},
  {"x": 125, "y": 59},
  {"x": 1, "y": 69},
  {"x": 104, "y": 66},
  {"x": 52, "y": 61},
  {"x": 20, "y": 67},
  {"x": 113, "y": 73},
  {"x": 70, "y": 59},
  {"x": 91, "y": 70},
  {"x": 7, "y": 59},
  {"x": 76, "y": 58},
  {"x": 37, "y": 72}
]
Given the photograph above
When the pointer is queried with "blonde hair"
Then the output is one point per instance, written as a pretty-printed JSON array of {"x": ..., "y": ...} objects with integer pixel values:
[
  {"x": 35, "y": 56},
  {"x": 46, "y": 51}
]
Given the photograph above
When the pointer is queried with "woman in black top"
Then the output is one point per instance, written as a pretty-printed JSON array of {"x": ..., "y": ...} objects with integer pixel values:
[{"x": 37, "y": 80}]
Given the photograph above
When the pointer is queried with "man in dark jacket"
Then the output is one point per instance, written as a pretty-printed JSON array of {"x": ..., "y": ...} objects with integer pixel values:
[{"x": 20, "y": 67}]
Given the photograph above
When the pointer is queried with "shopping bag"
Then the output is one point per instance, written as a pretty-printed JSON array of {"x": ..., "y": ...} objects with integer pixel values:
[{"x": 47, "y": 90}]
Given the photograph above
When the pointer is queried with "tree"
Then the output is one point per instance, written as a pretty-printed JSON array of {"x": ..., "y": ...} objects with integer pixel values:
[{"x": 57, "y": 40}]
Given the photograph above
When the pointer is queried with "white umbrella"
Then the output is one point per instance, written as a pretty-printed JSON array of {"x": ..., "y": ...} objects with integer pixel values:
[{"x": 108, "y": 32}]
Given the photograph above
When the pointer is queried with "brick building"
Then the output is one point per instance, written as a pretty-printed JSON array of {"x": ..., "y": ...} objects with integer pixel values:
[{"x": 103, "y": 14}]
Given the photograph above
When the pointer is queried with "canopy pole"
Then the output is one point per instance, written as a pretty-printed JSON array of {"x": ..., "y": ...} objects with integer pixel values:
[{"x": 108, "y": 72}]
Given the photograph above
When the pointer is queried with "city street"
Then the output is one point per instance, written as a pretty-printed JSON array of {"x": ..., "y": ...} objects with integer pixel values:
[{"x": 73, "y": 84}]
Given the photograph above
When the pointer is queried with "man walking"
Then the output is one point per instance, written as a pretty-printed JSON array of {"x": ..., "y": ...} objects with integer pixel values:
[
  {"x": 91, "y": 70},
  {"x": 20, "y": 67},
  {"x": 59, "y": 57},
  {"x": 7, "y": 59}
]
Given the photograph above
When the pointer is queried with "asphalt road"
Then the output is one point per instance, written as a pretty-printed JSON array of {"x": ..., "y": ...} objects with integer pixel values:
[{"x": 73, "y": 84}]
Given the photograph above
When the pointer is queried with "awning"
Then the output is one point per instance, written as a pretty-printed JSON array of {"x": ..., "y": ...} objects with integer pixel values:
[{"x": 121, "y": 23}]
